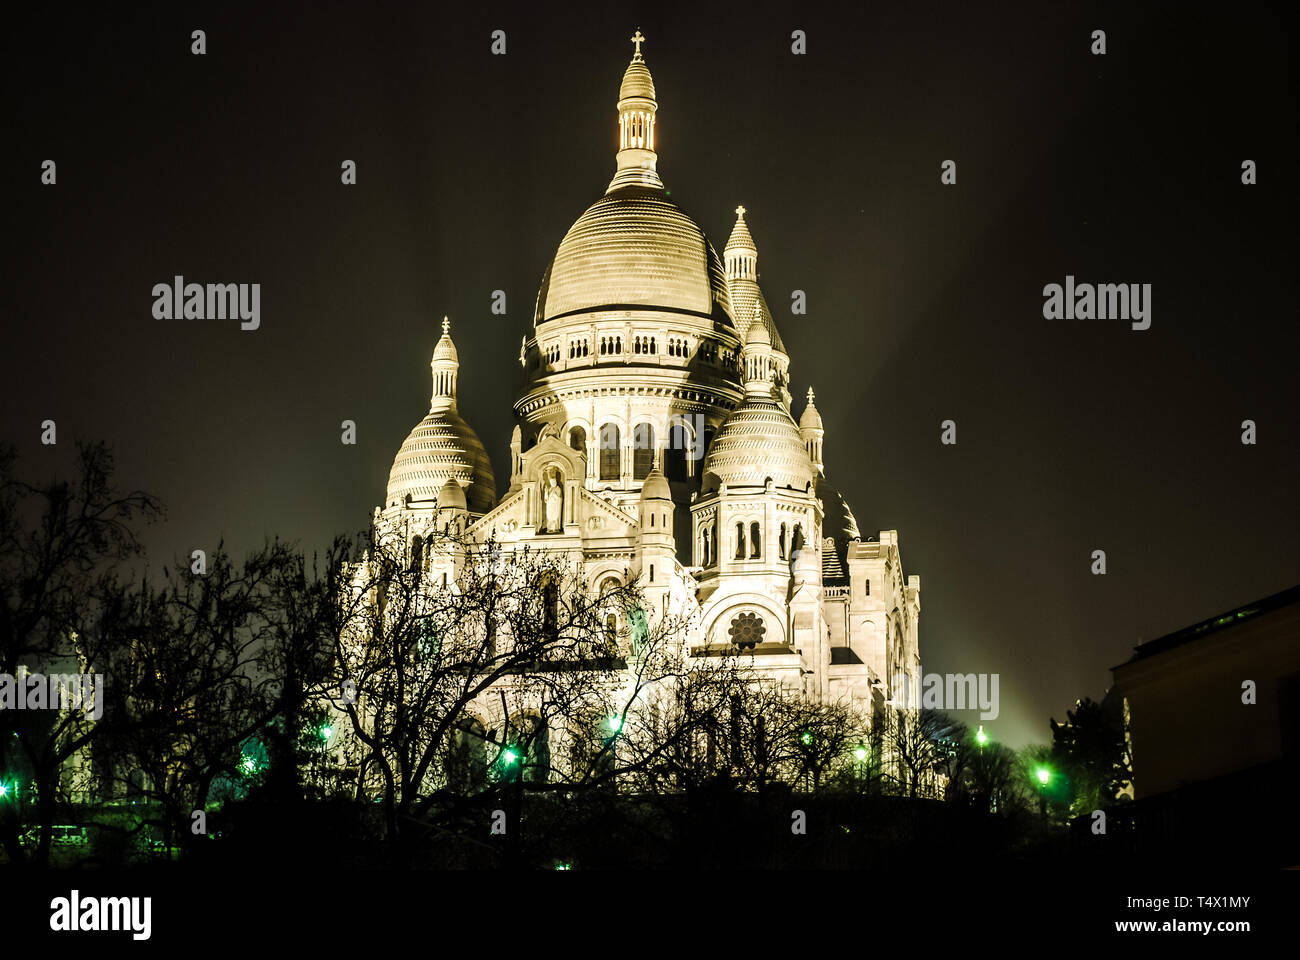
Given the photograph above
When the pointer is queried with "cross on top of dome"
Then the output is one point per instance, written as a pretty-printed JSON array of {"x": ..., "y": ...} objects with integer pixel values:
[
  {"x": 637, "y": 39},
  {"x": 740, "y": 211},
  {"x": 446, "y": 325}
]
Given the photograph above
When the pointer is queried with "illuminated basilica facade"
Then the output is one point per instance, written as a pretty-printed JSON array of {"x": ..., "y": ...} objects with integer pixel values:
[{"x": 655, "y": 441}]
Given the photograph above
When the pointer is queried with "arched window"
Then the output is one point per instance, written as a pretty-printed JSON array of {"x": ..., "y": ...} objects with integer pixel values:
[
  {"x": 528, "y": 743},
  {"x": 677, "y": 453},
  {"x": 643, "y": 450},
  {"x": 755, "y": 539},
  {"x": 610, "y": 586},
  {"x": 740, "y": 541},
  {"x": 551, "y": 609},
  {"x": 609, "y": 452},
  {"x": 578, "y": 439},
  {"x": 467, "y": 757},
  {"x": 780, "y": 543},
  {"x": 417, "y": 553}
]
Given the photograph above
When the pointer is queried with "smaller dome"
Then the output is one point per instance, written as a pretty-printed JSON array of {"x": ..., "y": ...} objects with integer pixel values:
[
  {"x": 445, "y": 349},
  {"x": 811, "y": 419},
  {"x": 741, "y": 239},
  {"x": 758, "y": 440},
  {"x": 655, "y": 487},
  {"x": 637, "y": 81},
  {"x": 757, "y": 335},
  {"x": 442, "y": 446},
  {"x": 451, "y": 496}
]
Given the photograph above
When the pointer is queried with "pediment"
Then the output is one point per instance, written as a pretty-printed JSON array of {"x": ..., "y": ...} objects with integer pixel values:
[{"x": 548, "y": 454}]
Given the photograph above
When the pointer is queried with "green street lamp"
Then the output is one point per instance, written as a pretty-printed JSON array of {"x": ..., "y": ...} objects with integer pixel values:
[
  {"x": 4, "y": 789},
  {"x": 860, "y": 753},
  {"x": 508, "y": 756},
  {"x": 1044, "y": 776},
  {"x": 614, "y": 722},
  {"x": 325, "y": 732},
  {"x": 806, "y": 738},
  {"x": 981, "y": 737}
]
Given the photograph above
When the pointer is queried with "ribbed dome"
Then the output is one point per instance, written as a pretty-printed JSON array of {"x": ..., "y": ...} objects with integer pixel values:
[
  {"x": 451, "y": 496},
  {"x": 748, "y": 305},
  {"x": 758, "y": 440},
  {"x": 837, "y": 519},
  {"x": 741, "y": 239},
  {"x": 637, "y": 81},
  {"x": 634, "y": 247},
  {"x": 445, "y": 349},
  {"x": 839, "y": 524},
  {"x": 812, "y": 418},
  {"x": 442, "y": 447},
  {"x": 655, "y": 487}
]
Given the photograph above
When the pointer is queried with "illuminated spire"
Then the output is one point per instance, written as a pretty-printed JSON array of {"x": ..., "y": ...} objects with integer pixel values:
[
  {"x": 740, "y": 254},
  {"x": 636, "y": 125},
  {"x": 445, "y": 366},
  {"x": 756, "y": 359},
  {"x": 812, "y": 431}
]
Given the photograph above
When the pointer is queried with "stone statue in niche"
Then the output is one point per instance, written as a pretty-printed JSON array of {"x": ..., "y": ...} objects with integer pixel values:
[{"x": 553, "y": 498}]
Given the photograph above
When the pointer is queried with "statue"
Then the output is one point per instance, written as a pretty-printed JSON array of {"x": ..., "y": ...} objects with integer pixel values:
[{"x": 554, "y": 499}]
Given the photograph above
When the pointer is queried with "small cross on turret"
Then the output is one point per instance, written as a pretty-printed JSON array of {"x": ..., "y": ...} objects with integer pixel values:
[{"x": 638, "y": 40}]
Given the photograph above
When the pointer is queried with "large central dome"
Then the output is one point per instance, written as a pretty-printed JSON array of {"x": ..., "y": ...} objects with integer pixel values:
[{"x": 634, "y": 247}]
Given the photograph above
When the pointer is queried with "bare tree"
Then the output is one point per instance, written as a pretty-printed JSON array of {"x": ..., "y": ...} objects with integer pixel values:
[
  {"x": 515, "y": 645},
  {"x": 63, "y": 549}
]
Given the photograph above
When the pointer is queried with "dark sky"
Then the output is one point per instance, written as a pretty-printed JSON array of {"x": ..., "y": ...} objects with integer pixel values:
[{"x": 925, "y": 301}]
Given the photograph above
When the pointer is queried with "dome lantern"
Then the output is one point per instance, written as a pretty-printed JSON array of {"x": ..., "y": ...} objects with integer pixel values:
[
  {"x": 756, "y": 358},
  {"x": 637, "y": 106},
  {"x": 812, "y": 431},
  {"x": 445, "y": 366},
  {"x": 740, "y": 253}
]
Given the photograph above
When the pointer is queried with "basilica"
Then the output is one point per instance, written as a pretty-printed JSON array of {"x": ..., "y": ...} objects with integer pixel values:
[{"x": 655, "y": 441}]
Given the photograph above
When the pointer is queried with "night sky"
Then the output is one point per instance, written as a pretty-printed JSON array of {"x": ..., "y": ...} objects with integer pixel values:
[{"x": 925, "y": 301}]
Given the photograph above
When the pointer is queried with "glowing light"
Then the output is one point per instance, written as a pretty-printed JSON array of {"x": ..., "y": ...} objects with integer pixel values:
[
  {"x": 508, "y": 756},
  {"x": 1044, "y": 775},
  {"x": 806, "y": 738},
  {"x": 860, "y": 753},
  {"x": 981, "y": 736}
]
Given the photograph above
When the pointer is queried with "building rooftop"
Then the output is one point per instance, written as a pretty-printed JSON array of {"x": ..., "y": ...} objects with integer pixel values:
[{"x": 1216, "y": 623}]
